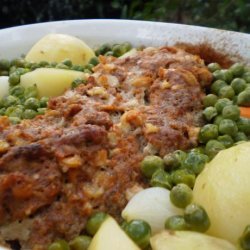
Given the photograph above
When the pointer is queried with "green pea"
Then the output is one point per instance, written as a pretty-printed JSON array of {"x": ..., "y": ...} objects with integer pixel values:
[
  {"x": 12, "y": 69},
  {"x": 195, "y": 162},
  {"x": 231, "y": 112},
  {"x": 226, "y": 92},
  {"x": 246, "y": 76},
  {"x": 41, "y": 64},
  {"x": 248, "y": 87},
  {"x": 244, "y": 98},
  {"x": 181, "y": 195},
  {"x": 94, "y": 222},
  {"x": 1, "y": 102},
  {"x": 103, "y": 49},
  {"x": 238, "y": 85},
  {"x": 18, "y": 62},
  {"x": 218, "y": 119},
  {"x": 176, "y": 223},
  {"x": 213, "y": 147},
  {"x": 76, "y": 83},
  {"x": 217, "y": 85},
  {"x": 34, "y": 66},
  {"x": 41, "y": 111},
  {"x": 77, "y": 67},
  {"x": 244, "y": 240},
  {"x": 2, "y": 111},
  {"x": 127, "y": 46},
  {"x": 198, "y": 150},
  {"x": 109, "y": 53},
  {"x": 22, "y": 71},
  {"x": 150, "y": 164},
  {"x": 235, "y": 100},
  {"x": 175, "y": 159},
  {"x": 32, "y": 103},
  {"x": 123, "y": 225},
  {"x": 223, "y": 74},
  {"x": 221, "y": 103},
  {"x": 240, "y": 136},
  {"x": 14, "y": 112},
  {"x": 209, "y": 100},
  {"x": 94, "y": 61},
  {"x": 209, "y": 113},
  {"x": 208, "y": 132},
  {"x": 237, "y": 69},
  {"x": 243, "y": 125},
  {"x": 17, "y": 91},
  {"x": 228, "y": 127},
  {"x": 9, "y": 110},
  {"x": 226, "y": 140},
  {"x": 10, "y": 101},
  {"x": 118, "y": 50},
  {"x": 89, "y": 66},
  {"x": 20, "y": 106},
  {"x": 29, "y": 114},
  {"x": 15, "y": 120},
  {"x": 213, "y": 67},
  {"x": 183, "y": 176},
  {"x": 139, "y": 231},
  {"x": 28, "y": 65},
  {"x": 197, "y": 218},
  {"x": 30, "y": 92},
  {"x": 14, "y": 78},
  {"x": 59, "y": 245},
  {"x": 161, "y": 178},
  {"x": 81, "y": 242},
  {"x": 61, "y": 66},
  {"x": 87, "y": 71},
  {"x": 4, "y": 64},
  {"x": 44, "y": 102},
  {"x": 67, "y": 62}
]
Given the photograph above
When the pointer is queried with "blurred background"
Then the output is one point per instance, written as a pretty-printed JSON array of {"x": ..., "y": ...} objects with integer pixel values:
[{"x": 225, "y": 14}]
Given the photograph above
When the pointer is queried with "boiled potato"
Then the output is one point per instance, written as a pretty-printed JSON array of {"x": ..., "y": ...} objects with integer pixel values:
[
  {"x": 179, "y": 240},
  {"x": 111, "y": 237},
  {"x": 58, "y": 47},
  {"x": 4, "y": 86},
  {"x": 152, "y": 205},
  {"x": 223, "y": 189},
  {"x": 50, "y": 82}
]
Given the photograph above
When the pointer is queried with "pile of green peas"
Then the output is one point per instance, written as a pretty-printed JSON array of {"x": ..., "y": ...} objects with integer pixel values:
[
  {"x": 225, "y": 127},
  {"x": 115, "y": 50},
  {"x": 177, "y": 172}
]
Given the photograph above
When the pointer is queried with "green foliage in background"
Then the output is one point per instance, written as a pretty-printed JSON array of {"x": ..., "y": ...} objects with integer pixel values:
[{"x": 225, "y": 14}]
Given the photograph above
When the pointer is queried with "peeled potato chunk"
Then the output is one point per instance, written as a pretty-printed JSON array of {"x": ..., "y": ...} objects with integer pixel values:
[
  {"x": 152, "y": 205},
  {"x": 111, "y": 237},
  {"x": 58, "y": 47},
  {"x": 50, "y": 82},
  {"x": 223, "y": 189},
  {"x": 4, "y": 87},
  {"x": 179, "y": 240}
]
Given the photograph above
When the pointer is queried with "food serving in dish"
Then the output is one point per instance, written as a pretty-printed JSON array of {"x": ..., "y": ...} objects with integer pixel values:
[{"x": 74, "y": 160}]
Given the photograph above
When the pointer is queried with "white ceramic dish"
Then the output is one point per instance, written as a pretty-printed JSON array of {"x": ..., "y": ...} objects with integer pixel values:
[{"x": 18, "y": 40}]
